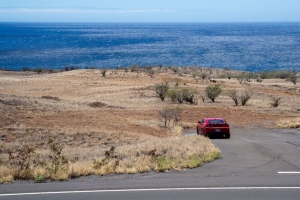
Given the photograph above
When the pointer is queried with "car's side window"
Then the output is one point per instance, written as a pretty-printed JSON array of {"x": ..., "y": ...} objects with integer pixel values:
[{"x": 203, "y": 121}]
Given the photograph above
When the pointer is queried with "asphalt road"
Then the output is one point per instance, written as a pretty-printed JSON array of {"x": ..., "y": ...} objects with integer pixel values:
[{"x": 256, "y": 164}]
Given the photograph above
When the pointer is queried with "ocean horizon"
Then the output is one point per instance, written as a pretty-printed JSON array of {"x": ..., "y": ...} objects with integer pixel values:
[{"x": 238, "y": 46}]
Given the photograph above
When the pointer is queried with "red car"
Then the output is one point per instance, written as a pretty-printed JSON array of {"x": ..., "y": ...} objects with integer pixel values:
[{"x": 210, "y": 127}]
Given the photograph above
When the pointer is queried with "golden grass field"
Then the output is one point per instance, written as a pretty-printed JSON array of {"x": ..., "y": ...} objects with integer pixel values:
[{"x": 38, "y": 107}]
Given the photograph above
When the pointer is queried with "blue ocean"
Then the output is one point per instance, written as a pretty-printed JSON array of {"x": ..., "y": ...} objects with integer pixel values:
[{"x": 239, "y": 46}]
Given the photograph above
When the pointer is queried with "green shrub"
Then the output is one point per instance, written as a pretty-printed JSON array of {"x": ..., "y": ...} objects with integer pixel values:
[
  {"x": 134, "y": 68},
  {"x": 37, "y": 70},
  {"x": 40, "y": 179},
  {"x": 173, "y": 94},
  {"x": 163, "y": 163},
  {"x": 186, "y": 94},
  {"x": 195, "y": 74},
  {"x": 212, "y": 92},
  {"x": 162, "y": 90},
  {"x": 193, "y": 162},
  {"x": 283, "y": 74}
]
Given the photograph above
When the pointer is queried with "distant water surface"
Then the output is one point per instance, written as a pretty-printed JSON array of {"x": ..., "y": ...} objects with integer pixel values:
[{"x": 241, "y": 46}]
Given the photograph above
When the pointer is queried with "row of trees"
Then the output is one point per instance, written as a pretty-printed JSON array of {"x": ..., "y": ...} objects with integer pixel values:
[
  {"x": 211, "y": 92},
  {"x": 282, "y": 74},
  {"x": 188, "y": 95},
  {"x": 176, "y": 94}
]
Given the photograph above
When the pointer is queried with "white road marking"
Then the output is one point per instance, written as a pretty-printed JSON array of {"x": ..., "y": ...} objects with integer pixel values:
[
  {"x": 144, "y": 190},
  {"x": 288, "y": 172}
]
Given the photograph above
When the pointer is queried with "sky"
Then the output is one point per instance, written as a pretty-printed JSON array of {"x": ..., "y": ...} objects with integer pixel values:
[{"x": 149, "y": 10}]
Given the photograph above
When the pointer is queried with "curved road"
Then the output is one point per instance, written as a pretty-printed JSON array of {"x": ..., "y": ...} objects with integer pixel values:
[{"x": 256, "y": 163}]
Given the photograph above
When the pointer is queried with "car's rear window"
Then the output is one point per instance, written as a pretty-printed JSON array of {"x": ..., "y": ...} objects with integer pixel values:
[{"x": 216, "y": 121}]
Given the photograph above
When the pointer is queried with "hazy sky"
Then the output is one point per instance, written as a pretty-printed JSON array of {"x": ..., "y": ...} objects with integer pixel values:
[{"x": 149, "y": 10}]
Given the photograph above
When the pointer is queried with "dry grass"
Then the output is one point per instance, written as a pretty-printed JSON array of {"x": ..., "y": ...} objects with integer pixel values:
[
  {"x": 289, "y": 123},
  {"x": 88, "y": 113},
  {"x": 158, "y": 154}
]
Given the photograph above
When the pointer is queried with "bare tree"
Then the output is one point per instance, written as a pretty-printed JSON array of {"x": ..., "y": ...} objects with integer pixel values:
[
  {"x": 203, "y": 96},
  {"x": 240, "y": 78},
  {"x": 245, "y": 96},
  {"x": 169, "y": 113},
  {"x": 166, "y": 114},
  {"x": 233, "y": 94},
  {"x": 176, "y": 114}
]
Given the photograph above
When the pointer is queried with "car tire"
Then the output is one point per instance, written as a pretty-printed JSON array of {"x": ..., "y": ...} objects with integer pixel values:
[{"x": 227, "y": 136}]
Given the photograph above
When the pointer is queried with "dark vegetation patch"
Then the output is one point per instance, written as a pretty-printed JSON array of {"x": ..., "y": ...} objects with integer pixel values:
[
  {"x": 51, "y": 98},
  {"x": 98, "y": 104}
]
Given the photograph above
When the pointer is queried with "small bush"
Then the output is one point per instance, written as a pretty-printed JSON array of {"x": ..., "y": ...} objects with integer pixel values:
[
  {"x": 6, "y": 179},
  {"x": 40, "y": 179},
  {"x": 275, "y": 101},
  {"x": 204, "y": 76},
  {"x": 59, "y": 163},
  {"x": 97, "y": 104},
  {"x": 134, "y": 68},
  {"x": 23, "y": 160},
  {"x": 240, "y": 78},
  {"x": 293, "y": 78},
  {"x": 245, "y": 96},
  {"x": 163, "y": 163},
  {"x": 151, "y": 72},
  {"x": 37, "y": 70},
  {"x": 176, "y": 113},
  {"x": 259, "y": 79},
  {"x": 173, "y": 94},
  {"x": 203, "y": 96},
  {"x": 103, "y": 72},
  {"x": 51, "y": 98},
  {"x": 283, "y": 74},
  {"x": 195, "y": 74},
  {"x": 249, "y": 76},
  {"x": 233, "y": 94},
  {"x": 109, "y": 155},
  {"x": 162, "y": 90},
  {"x": 212, "y": 92},
  {"x": 169, "y": 113},
  {"x": 193, "y": 162},
  {"x": 185, "y": 94},
  {"x": 166, "y": 114}
]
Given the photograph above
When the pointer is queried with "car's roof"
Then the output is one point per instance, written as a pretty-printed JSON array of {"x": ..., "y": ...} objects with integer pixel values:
[{"x": 214, "y": 118}]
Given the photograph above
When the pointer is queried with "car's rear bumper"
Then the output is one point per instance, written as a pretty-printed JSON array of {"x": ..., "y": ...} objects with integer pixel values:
[{"x": 218, "y": 132}]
